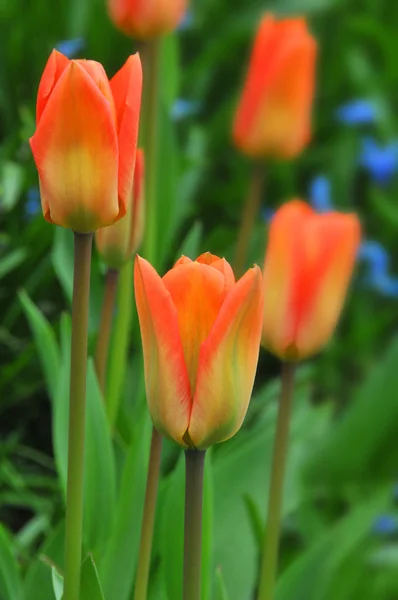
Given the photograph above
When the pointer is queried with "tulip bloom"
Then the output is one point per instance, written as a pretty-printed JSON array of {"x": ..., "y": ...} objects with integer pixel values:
[
  {"x": 274, "y": 114},
  {"x": 200, "y": 333},
  {"x": 308, "y": 266},
  {"x": 85, "y": 141},
  {"x": 144, "y": 19},
  {"x": 118, "y": 242}
]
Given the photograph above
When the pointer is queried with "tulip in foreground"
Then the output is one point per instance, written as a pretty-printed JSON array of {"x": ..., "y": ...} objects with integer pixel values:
[
  {"x": 273, "y": 117},
  {"x": 117, "y": 243},
  {"x": 200, "y": 332},
  {"x": 144, "y": 19},
  {"x": 85, "y": 141},
  {"x": 307, "y": 270}
]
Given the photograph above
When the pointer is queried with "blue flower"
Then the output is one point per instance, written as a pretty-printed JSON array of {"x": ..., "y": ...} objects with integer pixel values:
[
  {"x": 320, "y": 194},
  {"x": 187, "y": 21},
  {"x": 380, "y": 161},
  {"x": 378, "y": 277},
  {"x": 71, "y": 47},
  {"x": 385, "y": 525},
  {"x": 184, "y": 108},
  {"x": 32, "y": 204},
  {"x": 357, "y": 112}
]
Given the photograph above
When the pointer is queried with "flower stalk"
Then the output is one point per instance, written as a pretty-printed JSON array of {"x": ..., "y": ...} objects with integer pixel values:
[
  {"x": 77, "y": 415},
  {"x": 270, "y": 548},
  {"x": 194, "y": 463}
]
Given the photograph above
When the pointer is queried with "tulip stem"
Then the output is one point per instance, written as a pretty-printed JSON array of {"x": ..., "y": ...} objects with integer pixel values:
[
  {"x": 194, "y": 462},
  {"x": 250, "y": 211},
  {"x": 104, "y": 334},
  {"x": 270, "y": 548},
  {"x": 120, "y": 341},
  {"x": 144, "y": 559},
  {"x": 151, "y": 102},
  {"x": 77, "y": 415}
]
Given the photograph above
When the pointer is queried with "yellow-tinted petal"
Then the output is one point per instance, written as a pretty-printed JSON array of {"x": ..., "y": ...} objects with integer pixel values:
[
  {"x": 197, "y": 291},
  {"x": 166, "y": 378},
  {"x": 220, "y": 264},
  {"x": 227, "y": 364}
]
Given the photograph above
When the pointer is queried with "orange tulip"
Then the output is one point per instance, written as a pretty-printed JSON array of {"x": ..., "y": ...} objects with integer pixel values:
[
  {"x": 200, "y": 333},
  {"x": 144, "y": 19},
  {"x": 118, "y": 242},
  {"x": 274, "y": 114},
  {"x": 308, "y": 266},
  {"x": 85, "y": 141}
]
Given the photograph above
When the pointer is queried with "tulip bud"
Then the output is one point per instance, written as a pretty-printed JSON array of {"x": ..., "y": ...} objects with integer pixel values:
[
  {"x": 118, "y": 242},
  {"x": 273, "y": 117},
  {"x": 85, "y": 142},
  {"x": 200, "y": 333},
  {"x": 308, "y": 266},
  {"x": 144, "y": 19}
]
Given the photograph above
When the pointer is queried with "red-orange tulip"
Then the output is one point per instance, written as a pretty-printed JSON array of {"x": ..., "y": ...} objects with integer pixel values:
[
  {"x": 118, "y": 242},
  {"x": 85, "y": 141},
  {"x": 146, "y": 18},
  {"x": 200, "y": 333},
  {"x": 308, "y": 266},
  {"x": 274, "y": 114}
]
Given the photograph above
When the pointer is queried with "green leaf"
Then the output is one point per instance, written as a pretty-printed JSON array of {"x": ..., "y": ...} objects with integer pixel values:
[
  {"x": 45, "y": 342},
  {"x": 90, "y": 587},
  {"x": 169, "y": 69},
  {"x": 10, "y": 582},
  {"x": 11, "y": 261},
  {"x": 58, "y": 583},
  {"x": 191, "y": 244},
  {"x": 12, "y": 180},
  {"x": 100, "y": 479},
  {"x": 118, "y": 565},
  {"x": 220, "y": 589}
]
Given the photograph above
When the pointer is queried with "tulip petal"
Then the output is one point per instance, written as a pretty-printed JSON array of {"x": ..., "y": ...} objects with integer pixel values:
[
  {"x": 76, "y": 154},
  {"x": 126, "y": 87},
  {"x": 167, "y": 384},
  {"x": 54, "y": 68},
  {"x": 220, "y": 264},
  {"x": 197, "y": 291},
  {"x": 227, "y": 364}
]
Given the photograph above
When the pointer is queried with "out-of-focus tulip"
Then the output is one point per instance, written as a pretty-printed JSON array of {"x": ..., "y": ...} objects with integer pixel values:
[
  {"x": 308, "y": 266},
  {"x": 201, "y": 332},
  {"x": 144, "y": 19},
  {"x": 274, "y": 113},
  {"x": 85, "y": 141},
  {"x": 118, "y": 242}
]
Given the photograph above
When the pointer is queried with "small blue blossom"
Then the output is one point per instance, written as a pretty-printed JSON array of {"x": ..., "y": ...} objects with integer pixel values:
[
  {"x": 385, "y": 525},
  {"x": 357, "y": 112},
  {"x": 378, "y": 277},
  {"x": 267, "y": 214},
  {"x": 380, "y": 161},
  {"x": 71, "y": 47},
  {"x": 184, "y": 108},
  {"x": 187, "y": 21},
  {"x": 320, "y": 194},
  {"x": 32, "y": 204}
]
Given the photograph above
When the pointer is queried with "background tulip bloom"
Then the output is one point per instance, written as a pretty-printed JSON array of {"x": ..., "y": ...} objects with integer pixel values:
[
  {"x": 146, "y": 18},
  {"x": 85, "y": 141},
  {"x": 274, "y": 113},
  {"x": 308, "y": 266},
  {"x": 200, "y": 332},
  {"x": 118, "y": 242}
]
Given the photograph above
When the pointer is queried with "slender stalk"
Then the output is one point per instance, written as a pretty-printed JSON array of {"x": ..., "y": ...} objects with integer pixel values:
[
  {"x": 151, "y": 56},
  {"x": 272, "y": 529},
  {"x": 104, "y": 334},
  {"x": 250, "y": 211},
  {"x": 77, "y": 415},
  {"x": 120, "y": 341},
  {"x": 144, "y": 559},
  {"x": 194, "y": 461}
]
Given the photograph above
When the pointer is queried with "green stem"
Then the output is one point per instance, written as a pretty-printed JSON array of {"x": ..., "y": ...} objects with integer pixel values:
[
  {"x": 272, "y": 529},
  {"x": 77, "y": 415},
  {"x": 104, "y": 333},
  {"x": 120, "y": 341},
  {"x": 144, "y": 560},
  {"x": 151, "y": 56},
  {"x": 250, "y": 212},
  {"x": 194, "y": 460}
]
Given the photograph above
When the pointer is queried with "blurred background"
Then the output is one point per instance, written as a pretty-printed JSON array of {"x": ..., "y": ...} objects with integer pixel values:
[{"x": 340, "y": 534}]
